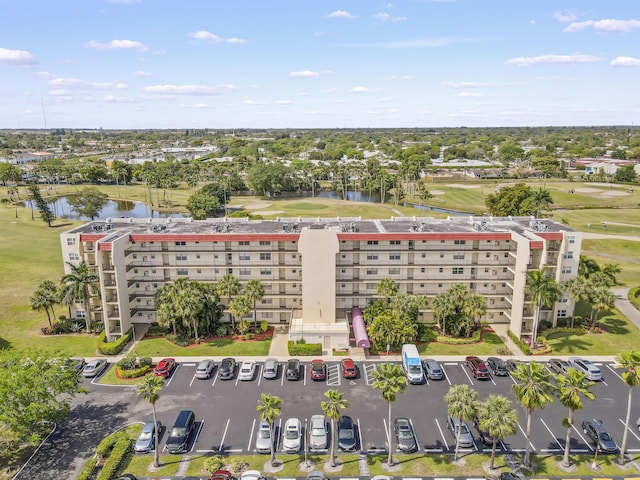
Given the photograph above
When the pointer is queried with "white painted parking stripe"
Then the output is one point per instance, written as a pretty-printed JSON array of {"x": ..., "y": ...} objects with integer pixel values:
[
  {"x": 464, "y": 369},
  {"x": 433, "y": 450},
  {"x": 630, "y": 429},
  {"x": 278, "y": 436},
  {"x": 583, "y": 439},
  {"x": 614, "y": 372},
  {"x": 444, "y": 440},
  {"x": 253, "y": 425},
  {"x": 359, "y": 434},
  {"x": 415, "y": 434},
  {"x": 233, "y": 450},
  {"x": 632, "y": 450},
  {"x": 188, "y": 364},
  {"x": 550, "y": 450},
  {"x": 304, "y": 375},
  {"x": 215, "y": 377},
  {"x": 197, "y": 435},
  {"x": 525, "y": 436},
  {"x": 579, "y": 450},
  {"x": 259, "y": 376},
  {"x": 450, "y": 363},
  {"x": 224, "y": 434},
  {"x": 192, "y": 380},
  {"x": 552, "y": 435},
  {"x": 173, "y": 374},
  {"x": 386, "y": 433},
  {"x": 446, "y": 376},
  {"x": 443, "y": 478},
  {"x": 206, "y": 451}
]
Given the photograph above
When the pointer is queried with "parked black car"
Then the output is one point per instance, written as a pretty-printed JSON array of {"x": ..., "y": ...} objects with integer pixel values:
[
  {"x": 179, "y": 434},
  {"x": 227, "y": 369},
  {"x": 595, "y": 430},
  {"x": 405, "y": 436},
  {"x": 497, "y": 366},
  {"x": 346, "y": 434},
  {"x": 293, "y": 369}
]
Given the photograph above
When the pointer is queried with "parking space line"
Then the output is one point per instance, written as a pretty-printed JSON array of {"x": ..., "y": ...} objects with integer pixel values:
[
  {"x": 304, "y": 375},
  {"x": 224, "y": 434},
  {"x": 333, "y": 376},
  {"x": 282, "y": 375},
  {"x": 197, "y": 435},
  {"x": 630, "y": 429},
  {"x": 359, "y": 433},
  {"x": 583, "y": 439},
  {"x": 278, "y": 436},
  {"x": 193, "y": 379},
  {"x": 614, "y": 372},
  {"x": 175, "y": 370},
  {"x": 512, "y": 379},
  {"x": 446, "y": 377},
  {"x": 525, "y": 437},
  {"x": 237, "y": 379},
  {"x": 491, "y": 378},
  {"x": 464, "y": 369},
  {"x": 444, "y": 440},
  {"x": 368, "y": 369},
  {"x": 604, "y": 383},
  {"x": 253, "y": 426},
  {"x": 415, "y": 434},
  {"x": 259, "y": 369},
  {"x": 215, "y": 377},
  {"x": 552, "y": 435}
]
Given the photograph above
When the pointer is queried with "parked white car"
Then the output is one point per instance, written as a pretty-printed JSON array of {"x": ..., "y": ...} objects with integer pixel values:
[
  {"x": 247, "y": 370},
  {"x": 292, "y": 435}
]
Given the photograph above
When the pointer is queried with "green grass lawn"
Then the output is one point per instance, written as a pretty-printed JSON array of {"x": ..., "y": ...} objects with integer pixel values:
[
  {"x": 490, "y": 343},
  {"x": 158, "y": 347},
  {"x": 625, "y": 253}
]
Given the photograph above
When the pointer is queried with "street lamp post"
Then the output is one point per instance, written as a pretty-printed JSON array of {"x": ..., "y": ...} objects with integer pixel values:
[{"x": 306, "y": 443}]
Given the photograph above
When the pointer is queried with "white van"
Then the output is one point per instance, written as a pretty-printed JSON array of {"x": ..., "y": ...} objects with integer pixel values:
[{"x": 411, "y": 363}]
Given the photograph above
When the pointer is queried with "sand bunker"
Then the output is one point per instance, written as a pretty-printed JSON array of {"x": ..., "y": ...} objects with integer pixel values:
[
  {"x": 588, "y": 190},
  {"x": 270, "y": 212},
  {"x": 462, "y": 185},
  {"x": 257, "y": 205},
  {"x": 436, "y": 192},
  {"x": 614, "y": 193}
]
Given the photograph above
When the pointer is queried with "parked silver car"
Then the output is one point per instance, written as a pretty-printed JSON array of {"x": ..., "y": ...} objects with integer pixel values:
[
  {"x": 318, "y": 433},
  {"x": 204, "y": 369},
  {"x": 466, "y": 437},
  {"x": 270, "y": 370},
  {"x": 263, "y": 438},
  {"x": 146, "y": 440},
  {"x": 592, "y": 372},
  {"x": 94, "y": 367},
  {"x": 292, "y": 436},
  {"x": 432, "y": 369}
]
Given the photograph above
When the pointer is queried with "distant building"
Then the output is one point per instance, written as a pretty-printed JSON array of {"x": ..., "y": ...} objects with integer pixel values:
[{"x": 316, "y": 270}]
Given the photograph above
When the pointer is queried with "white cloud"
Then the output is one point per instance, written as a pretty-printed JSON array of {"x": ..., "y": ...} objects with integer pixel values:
[
  {"x": 385, "y": 17},
  {"x": 551, "y": 59},
  {"x": 118, "y": 45},
  {"x": 46, "y": 75},
  {"x": 470, "y": 94},
  {"x": 84, "y": 85},
  {"x": 625, "y": 62},
  {"x": 304, "y": 74},
  {"x": 213, "y": 38},
  {"x": 196, "y": 105},
  {"x": 120, "y": 99},
  {"x": 532, "y": 22},
  {"x": 362, "y": 89},
  {"x": 402, "y": 77},
  {"x": 330, "y": 90},
  {"x": 16, "y": 58},
  {"x": 608, "y": 25},
  {"x": 564, "y": 16},
  {"x": 190, "y": 89},
  {"x": 341, "y": 14},
  {"x": 248, "y": 101},
  {"x": 464, "y": 85},
  {"x": 140, "y": 73},
  {"x": 59, "y": 92}
]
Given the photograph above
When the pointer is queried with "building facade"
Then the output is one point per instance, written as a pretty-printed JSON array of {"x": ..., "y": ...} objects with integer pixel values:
[{"x": 315, "y": 270}]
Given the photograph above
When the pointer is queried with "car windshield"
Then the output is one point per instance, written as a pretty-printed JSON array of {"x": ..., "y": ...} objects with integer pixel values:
[
  {"x": 346, "y": 434},
  {"x": 263, "y": 433},
  {"x": 604, "y": 436},
  {"x": 463, "y": 428},
  {"x": 145, "y": 436},
  {"x": 246, "y": 368},
  {"x": 404, "y": 433},
  {"x": 178, "y": 432},
  {"x": 291, "y": 434},
  {"x": 317, "y": 432},
  {"x": 317, "y": 367},
  {"x": 414, "y": 369}
]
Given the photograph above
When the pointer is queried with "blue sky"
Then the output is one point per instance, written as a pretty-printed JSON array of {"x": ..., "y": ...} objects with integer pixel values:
[{"x": 308, "y": 63}]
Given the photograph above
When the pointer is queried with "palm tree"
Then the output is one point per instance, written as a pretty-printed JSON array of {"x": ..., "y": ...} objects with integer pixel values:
[
  {"x": 254, "y": 291},
  {"x": 270, "y": 408},
  {"x": 150, "y": 391},
  {"x": 475, "y": 307},
  {"x": 499, "y": 418},
  {"x": 239, "y": 307},
  {"x": 571, "y": 387},
  {"x": 462, "y": 403},
  {"x": 541, "y": 198},
  {"x": 444, "y": 308},
  {"x": 533, "y": 392},
  {"x": 387, "y": 288},
  {"x": 630, "y": 361},
  {"x": 188, "y": 304},
  {"x": 601, "y": 299},
  {"x": 44, "y": 298},
  {"x": 544, "y": 292},
  {"x": 587, "y": 266},
  {"x": 577, "y": 288},
  {"x": 166, "y": 298},
  {"x": 331, "y": 407},
  {"x": 611, "y": 270},
  {"x": 390, "y": 380},
  {"x": 80, "y": 284},
  {"x": 228, "y": 286}
]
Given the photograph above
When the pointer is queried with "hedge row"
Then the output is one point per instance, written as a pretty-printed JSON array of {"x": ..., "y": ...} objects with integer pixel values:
[
  {"x": 118, "y": 455},
  {"x": 544, "y": 334},
  {"x": 523, "y": 346},
  {"x": 634, "y": 297},
  {"x": 106, "y": 445},
  {"x": 304, "y": 349},
  {"x": 135, "y": 373},
  {"x": 89, "y": 469},
  {"x": 112, "y": 348},
  {"x": 474, "y": 338}
]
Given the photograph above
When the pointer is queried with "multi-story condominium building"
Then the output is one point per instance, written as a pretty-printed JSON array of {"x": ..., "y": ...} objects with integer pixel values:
[{"x": 315, "y": 270}]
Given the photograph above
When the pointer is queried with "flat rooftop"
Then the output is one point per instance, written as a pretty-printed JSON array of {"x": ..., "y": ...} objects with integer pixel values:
[{"x": 466, "y": 224}]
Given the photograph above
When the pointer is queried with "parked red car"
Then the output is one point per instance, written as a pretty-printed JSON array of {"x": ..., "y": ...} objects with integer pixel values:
[
  {"x": 165, "y": 367},
  {"x": 477, "y": 367},
  {"x": 318, "y": 370},
  {"x": 348, "y": 368}
]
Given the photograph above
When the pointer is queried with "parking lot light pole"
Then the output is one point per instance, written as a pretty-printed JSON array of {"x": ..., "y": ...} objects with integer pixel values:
[{"x": 306, "y": 444}]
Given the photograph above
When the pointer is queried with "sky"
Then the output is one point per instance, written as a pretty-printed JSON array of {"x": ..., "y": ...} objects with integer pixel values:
[{"x": 134, "y": 64}]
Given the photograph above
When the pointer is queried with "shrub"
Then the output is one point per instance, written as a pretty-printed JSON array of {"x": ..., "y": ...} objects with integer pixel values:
[
  {"x": 179, "y": 340},
  {"x": 426, "y": 332},
  {"x": 304, "y": 349},
  {"x": 523, "y": 346},
  {"x": 128, "y": 362},
  {"x": 474, "y": 338},
  {"x": 98, "y": 327},
  {"x": 46, "y": 331},
  {"x": 503, "y": 351},
  {"x": 157, "y": 329},
  {"x": 119, "y": 453},
  {"x": 634, "y": 297},
  {"x": 145, "y": 361},
  {"x": 264, "y": 326},
  {"x": 89, "y": 469},
  {"x": 243, "y": 327},
  {"x": 211, "y": 464},
  {"x": 106, "y": 445},
  {"x": 112, "y": 348},
  {"x": 237, "y": 465},
  {"x": 221, "y": 330},
  {"x": 132, "y": 373}
]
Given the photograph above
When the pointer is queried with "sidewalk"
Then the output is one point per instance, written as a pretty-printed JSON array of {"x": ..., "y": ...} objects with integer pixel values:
[{"x": 625, "y": 306}]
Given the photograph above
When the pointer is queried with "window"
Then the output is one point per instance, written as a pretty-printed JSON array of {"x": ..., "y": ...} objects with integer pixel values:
[
  {"x": 344, "y": 270},
  {"x": 568, "y": 255},
  {"x": 266, "y": 301},
  {"x": 267, "y": 314},
  {"x": 394, "y": 256},
  {"x": 458, "y": 256},
  {"x": 422, "y": 285},
  {"x": 372, "y": 242},
  {"x": 265, "y": 256},
  {"x": 439, "y": 285},
  {"x": 372, "y": 271},
  {"x": 265, "y": 271},
  {"x": 182, "y": 271},
  {"x": 441, "y": 254},
  {"x": 562, "y": 313},
  {"x": 343, "y": 285},
  {"x": 199, "y": 270},
  {"x": 153, "y": 270},
  {"x": 459, "y": 242},
  {"x": 564, "y": 300},
  {"x": 370, "y": 286},
  {"x": 571, "y": 239},
  {"x": 394, "y": 242},
  {"x": 506, "y": 254},
  {"x": 244, "y": 256},
  {"x": 394, "y": 271},
  {"x": 487, "y": 255},
  {"x": 486, "y": 269},
  {"x": 181, "y": 257},
  {"x": 566, "y": 269},
  {"x": 457, "y": 270},
  {"x": 504, "y": 269},
  {"x": 73, "y": 256},
  {"x": 422, "y": 270},
  {"x": 423, "y": 255},
  {"x": 440, "y": 270},
  {"x": 504, "y": 284},
  {"x": 295, "y": 255},
  {"x": 81, "y": 314},
  {"x": 71, "y": 241},
  {"x": 244, "y": 243},
  {"x": 197, "y": 255},
  {"x": 372, "y": 256},
  {"x": 245, "y": 271},
  {"x": 265, "y": 242},
  {"x": 181, "y": 244}
]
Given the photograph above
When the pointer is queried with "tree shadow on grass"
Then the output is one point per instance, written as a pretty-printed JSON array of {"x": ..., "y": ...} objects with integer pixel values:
[
  {"x": 568, "y": 342},
  {"x": 4, "y": 344}
]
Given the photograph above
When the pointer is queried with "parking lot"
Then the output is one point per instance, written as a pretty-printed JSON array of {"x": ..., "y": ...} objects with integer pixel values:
[{"x": 227, "y": 418}]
